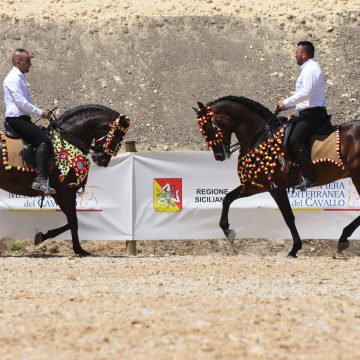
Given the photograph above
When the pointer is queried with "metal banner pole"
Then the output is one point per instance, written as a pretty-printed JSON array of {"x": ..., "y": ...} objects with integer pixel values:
[{"x": 130, "y": 245}]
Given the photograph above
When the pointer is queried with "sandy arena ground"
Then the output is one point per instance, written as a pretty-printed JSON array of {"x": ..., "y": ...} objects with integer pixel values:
[{"x": 246, "y": 301}]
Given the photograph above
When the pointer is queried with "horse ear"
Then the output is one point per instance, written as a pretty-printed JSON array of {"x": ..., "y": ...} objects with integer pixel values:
[
  {"x": 201, "y": 105},
  {"x": 195, "y": 109}
]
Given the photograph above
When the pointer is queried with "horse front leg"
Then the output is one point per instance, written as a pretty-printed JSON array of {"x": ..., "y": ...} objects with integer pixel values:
[
  {"x": 228, "y": 200},
  {"x": 282, "y": 200},
  {"x": 40, "y": 237},
  {"x": 67, "y": 203}
]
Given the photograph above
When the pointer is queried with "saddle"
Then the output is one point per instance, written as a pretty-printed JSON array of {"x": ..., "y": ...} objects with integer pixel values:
[
  {"x": 326, "y": 129},
  {"x": 26, "y": 152},
  {"x": 21, "y": 155},
  {"x": 322, "y": 144}
]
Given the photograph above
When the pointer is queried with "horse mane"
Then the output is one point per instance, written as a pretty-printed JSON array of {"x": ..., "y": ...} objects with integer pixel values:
[
  {"x": 83, "y": 109},
  {"x": 251, "y": 104}
]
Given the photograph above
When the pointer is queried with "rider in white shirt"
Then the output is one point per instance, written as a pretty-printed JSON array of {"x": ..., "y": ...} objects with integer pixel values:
[
  {"x": 17, "y": 99},
  {"x": 309, "y": 101},
  {"x": 310, "y": 88},
  {"x": 17, "y": 115}
]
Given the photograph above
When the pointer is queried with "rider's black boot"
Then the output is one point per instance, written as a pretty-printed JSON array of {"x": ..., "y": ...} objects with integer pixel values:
[
  {"x": 304, "y": 158},
  {"x": 41, "y": 182}
]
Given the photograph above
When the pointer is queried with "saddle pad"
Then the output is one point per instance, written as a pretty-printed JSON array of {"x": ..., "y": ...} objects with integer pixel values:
[
  {"x": 12, "y": 150},
  {"x": 326, "y": 148},
  {"x": 67, "y": 157}
]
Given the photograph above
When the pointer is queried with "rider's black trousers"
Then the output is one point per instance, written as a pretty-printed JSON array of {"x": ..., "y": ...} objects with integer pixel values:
[
  {"x": 306, "y": 125},
  {"x": 28, "y": 130}
]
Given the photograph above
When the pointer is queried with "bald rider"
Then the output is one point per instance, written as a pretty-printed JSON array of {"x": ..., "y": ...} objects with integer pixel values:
[{"x": 19, "y": 109}]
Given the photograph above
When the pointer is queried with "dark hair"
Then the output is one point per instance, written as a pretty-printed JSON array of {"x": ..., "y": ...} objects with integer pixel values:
[
  {"x": 20, "y": 50},
  {"x": 308, "y": 47}
]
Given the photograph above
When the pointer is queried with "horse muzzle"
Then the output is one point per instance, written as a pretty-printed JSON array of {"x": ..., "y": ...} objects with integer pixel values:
[
  {"x": 101, "y": 160},
  {"x": 219, "y": 156}
]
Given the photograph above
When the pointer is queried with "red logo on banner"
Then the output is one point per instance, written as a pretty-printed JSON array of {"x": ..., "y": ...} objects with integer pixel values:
[{"x": 167, "y": 194}]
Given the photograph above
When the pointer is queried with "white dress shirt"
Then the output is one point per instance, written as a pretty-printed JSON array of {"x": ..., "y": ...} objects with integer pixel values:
[
  {"x": 16, "y": 94},
  {"x": 310, "y": 88}
]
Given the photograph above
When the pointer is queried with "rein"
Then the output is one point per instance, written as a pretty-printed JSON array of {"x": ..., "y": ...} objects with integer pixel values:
[
  {"x": 93, "y": 150},
  {"x": 75, "y": 141},
  {"x": 234, "y": 147}
]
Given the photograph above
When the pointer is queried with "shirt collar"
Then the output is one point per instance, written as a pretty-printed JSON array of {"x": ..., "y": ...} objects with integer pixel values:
[
  {"x": 306, "y": 62},
  {"x": 17, "y": 71}
]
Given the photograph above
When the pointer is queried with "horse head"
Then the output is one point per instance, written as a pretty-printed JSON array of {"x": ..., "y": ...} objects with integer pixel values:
[
  {"x": 94, "y": 124},
  {"x": 215, "y": 133},
  {"x": 108, "y": 145}
]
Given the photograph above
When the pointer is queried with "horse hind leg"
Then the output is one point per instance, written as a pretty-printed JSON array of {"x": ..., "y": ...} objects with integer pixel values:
[
  {"x": 343, "y": 242},
  {"x": 348, "y": 230}
]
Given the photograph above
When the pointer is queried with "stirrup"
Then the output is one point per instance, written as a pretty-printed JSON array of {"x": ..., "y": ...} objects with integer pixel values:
[
  {"x": 43, "y": 186},
  {"x": 306, "y": 183}
]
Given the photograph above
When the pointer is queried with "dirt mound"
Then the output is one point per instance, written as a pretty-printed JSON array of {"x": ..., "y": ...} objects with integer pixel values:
[
  {"x": 156, "y": 65},
  {"x": 64, "y": 10}
]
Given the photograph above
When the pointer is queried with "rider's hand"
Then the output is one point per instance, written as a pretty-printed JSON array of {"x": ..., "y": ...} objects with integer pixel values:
[
  {"x": 45, "y": 114},
  {"x": 280, "y": 105}
]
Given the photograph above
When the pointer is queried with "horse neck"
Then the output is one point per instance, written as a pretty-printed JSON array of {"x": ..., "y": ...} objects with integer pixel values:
[
  {"x": 82, "y": 126},
  {"x": 247, "y": 124},
  {"x": 251, "y": 131}
]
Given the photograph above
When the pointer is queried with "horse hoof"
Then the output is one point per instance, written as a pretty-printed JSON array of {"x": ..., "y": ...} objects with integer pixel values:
[
  {"x": 290, "y": 257},
  {"x": 230, "y": 236},
  {"x": 38, "y": 238},
  {"x": 343, "y": 246},
  {"x": 82, "y": 252}
]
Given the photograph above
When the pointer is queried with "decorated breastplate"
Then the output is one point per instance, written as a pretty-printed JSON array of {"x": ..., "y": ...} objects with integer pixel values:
[
  {"x": 262, "y": 160},
  {"x": 69, "y": 157}
]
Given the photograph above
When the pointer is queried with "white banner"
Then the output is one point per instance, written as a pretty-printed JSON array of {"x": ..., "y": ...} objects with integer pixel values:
[
  {"x": 178, "y": 195},
  {"x": 321, "y": 213},
  {"x": 104, "y": 210}
]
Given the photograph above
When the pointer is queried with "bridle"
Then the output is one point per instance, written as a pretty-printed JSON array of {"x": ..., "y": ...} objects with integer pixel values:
[
  {"x": 114, "y": 128},
  {"x": 209, "y": 118},
  {"x": 231, "y": 148}
]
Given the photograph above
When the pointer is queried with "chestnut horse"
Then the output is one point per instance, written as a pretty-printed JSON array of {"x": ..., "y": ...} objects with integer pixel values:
[
  {"x": 81, "y": 127},
  {"x": 253, "y": 124}
]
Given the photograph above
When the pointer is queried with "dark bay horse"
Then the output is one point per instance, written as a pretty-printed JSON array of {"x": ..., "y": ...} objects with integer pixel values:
[
  {"x": 81, "y": 127},
  {"x": 252, "y": 124}
]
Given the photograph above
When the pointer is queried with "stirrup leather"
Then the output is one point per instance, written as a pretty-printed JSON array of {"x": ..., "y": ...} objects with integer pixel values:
[{"x": 305, "y": 183}]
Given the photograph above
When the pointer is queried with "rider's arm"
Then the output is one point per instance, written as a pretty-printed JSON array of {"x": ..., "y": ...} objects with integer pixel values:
[{"x": 14, "y": 90}]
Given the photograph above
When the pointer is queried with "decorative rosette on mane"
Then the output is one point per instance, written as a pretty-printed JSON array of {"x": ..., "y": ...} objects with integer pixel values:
[{"x": 262, "y": 160}]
